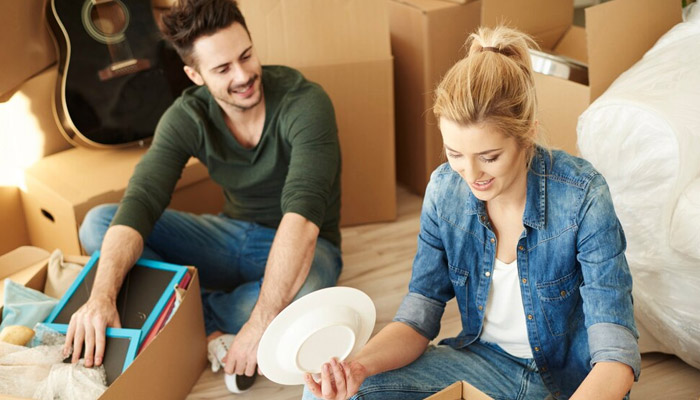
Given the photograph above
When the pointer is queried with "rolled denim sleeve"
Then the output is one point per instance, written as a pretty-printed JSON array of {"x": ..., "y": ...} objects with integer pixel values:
[
  {"x": 607, "y": 281},
  {"x": 430, "y": 287},
  {"x": 611, "y": 342},
  {"x": 421, "y": 313}
]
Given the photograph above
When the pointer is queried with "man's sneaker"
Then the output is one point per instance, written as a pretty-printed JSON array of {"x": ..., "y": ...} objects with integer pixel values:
[
  {"x": 239, "y": 383},
  {"x": 216, "y": 351}
]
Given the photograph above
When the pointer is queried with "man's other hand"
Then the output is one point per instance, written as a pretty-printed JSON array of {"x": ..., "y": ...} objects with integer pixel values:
[{"x": 242, "y": 357}]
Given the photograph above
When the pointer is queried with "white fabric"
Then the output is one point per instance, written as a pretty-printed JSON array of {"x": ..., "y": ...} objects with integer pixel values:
[
  {"x": 504, "y": 320},
  {"x": 643, "y": 135},
  {"x": 60, "y": 275}
]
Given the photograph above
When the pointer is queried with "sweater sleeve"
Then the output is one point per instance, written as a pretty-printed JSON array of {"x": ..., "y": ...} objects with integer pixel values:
[
  {"x": 151, "y": 186},
  {"x": 315, "y": 155}
]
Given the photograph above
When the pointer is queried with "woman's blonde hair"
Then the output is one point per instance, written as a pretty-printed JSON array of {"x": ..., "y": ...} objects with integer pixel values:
[{"x": 493, "y": 85}]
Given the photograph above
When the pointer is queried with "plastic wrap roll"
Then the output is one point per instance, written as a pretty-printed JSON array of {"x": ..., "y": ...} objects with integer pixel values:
[{"x": 643, "y": 135}]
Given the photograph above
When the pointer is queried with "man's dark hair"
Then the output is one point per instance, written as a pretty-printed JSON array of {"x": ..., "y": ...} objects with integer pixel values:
[{"x": 188, "y": 20}]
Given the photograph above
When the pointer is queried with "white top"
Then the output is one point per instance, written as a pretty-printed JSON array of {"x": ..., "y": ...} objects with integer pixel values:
[{"x": 504, "y": 321}]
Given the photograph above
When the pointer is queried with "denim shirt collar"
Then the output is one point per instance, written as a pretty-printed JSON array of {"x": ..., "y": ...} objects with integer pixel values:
[{"x": 535, "y": 209}]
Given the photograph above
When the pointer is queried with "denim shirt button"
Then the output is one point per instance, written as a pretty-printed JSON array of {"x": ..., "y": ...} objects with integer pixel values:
[
  {"x": 493, "y": 240},
  {"x": 521, "y": 248},
  {"x": 524, "y": 281},
  {"x": 480, "y": 308},
  {"x": 487, "y": 273},
  {"x": 537, "y": 348},
  {"x": 529, "y": 316}
]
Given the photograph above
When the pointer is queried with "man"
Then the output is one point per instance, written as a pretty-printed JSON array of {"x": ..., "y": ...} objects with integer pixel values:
[{"x": 269, "y": 138}]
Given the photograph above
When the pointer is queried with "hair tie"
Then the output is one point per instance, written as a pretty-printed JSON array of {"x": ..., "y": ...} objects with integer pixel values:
[{"x": 494, "y": 49}]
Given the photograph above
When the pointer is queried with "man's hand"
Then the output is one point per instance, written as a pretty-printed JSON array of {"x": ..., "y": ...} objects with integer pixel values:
[
  {"x": 88, "y": 325},
  {"x": 242, "y": 358}
]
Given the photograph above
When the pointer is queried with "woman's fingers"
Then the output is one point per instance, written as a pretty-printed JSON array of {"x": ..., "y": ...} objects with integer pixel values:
[{"x": 339, "y": 377}]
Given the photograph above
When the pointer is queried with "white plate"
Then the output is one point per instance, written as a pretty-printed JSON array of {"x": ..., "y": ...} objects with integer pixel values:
[{"x": 332, "y": 322}]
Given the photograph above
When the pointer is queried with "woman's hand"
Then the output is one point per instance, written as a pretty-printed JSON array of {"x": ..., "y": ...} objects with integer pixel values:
[{"x": 339, "y": 380}]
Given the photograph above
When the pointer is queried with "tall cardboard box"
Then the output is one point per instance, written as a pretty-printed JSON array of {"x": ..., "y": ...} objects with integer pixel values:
[
  {"x": 168, "y": 367},
  {"x": 617, "y": 34},
  {"x": 427, "y": 38},
  {"x": 13, "y": 229},
  {"x": 63, "y": 187},
  {"x": 344, "y": 46}
]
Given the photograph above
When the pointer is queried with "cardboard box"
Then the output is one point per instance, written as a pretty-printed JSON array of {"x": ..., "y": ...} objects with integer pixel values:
[
  {"x": 459, "y": 391},
  {"x": 62, "y": 188},
  {"x": 617, "y": 34},
  {"x": 428, "y": 35},
  {"x": 344, "y": 46},
  {"x": 172, "y": 362},
  {"x": 427, "y": 38},
  {"x": 14, "y": 229},
  {"x": 27, "y": 48}
]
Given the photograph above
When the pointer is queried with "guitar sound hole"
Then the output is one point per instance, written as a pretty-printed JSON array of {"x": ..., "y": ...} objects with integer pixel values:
[{"x": 108, "y": 18}]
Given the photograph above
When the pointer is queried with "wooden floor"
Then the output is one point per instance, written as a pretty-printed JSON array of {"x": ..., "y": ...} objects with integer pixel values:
[{"x": 377, "y": 259}]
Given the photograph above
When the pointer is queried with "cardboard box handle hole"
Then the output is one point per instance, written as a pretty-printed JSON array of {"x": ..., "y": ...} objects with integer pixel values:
[{"x": 48, "y": 215}]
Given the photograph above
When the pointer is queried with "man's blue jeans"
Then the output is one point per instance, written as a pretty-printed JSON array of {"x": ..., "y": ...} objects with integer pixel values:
[
  {"x": 484, "y": 365},
  {"x": 230, "y": 256}
]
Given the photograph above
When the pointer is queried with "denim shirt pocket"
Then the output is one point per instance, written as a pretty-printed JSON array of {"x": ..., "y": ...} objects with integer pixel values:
[
  {"x": 459, "y": 278},
  {"x": 559, "y": 299}
]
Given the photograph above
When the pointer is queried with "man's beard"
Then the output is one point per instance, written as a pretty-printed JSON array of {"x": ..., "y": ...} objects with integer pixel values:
[{"x": 231, "y": 94}]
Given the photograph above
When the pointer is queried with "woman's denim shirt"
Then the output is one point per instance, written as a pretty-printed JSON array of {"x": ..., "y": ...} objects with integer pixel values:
[{"x": 575, "y": 283}]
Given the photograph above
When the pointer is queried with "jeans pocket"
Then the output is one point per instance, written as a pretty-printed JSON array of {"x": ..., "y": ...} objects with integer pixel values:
[{"x": 560, "y": 300}]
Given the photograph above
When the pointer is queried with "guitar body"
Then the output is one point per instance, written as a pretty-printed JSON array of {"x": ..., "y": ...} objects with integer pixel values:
[{"x": 117, "y": 75}]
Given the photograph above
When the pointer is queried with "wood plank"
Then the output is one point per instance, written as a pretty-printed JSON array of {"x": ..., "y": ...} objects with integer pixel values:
[{"x": 377, "y": 259}]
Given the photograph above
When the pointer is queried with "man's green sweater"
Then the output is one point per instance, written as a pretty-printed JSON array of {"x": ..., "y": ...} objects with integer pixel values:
[{"x": 294, "y": 168}]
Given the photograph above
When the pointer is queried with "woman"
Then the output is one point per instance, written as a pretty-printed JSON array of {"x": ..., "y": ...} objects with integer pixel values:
[{"x": 527, "y": 241}]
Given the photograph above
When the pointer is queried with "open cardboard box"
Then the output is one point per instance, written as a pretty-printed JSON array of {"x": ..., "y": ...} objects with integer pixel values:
[
  {"x": 172, "y": 362},
  {"x": 63, "y": 187},
  {"x": 427, "y": 38},
  {"x": 616, "y": 35},
  {"x": 459, "y": 390}
]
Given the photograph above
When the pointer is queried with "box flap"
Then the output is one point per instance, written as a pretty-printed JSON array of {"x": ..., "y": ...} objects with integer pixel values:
[
  {"x": 620, "y": 32},
  {"x": 426, "y": 6},
  {"x": 21, "y": 258},
  {"x": 573, "y": 44},
  {"x": 460, "y": 390},
  {"x": 318, "y": 32},
  {"x": 546, "y": 20},
  {"x": 469, "y": 392},
  {"x": 452, "y": 392},
  {"x": 23, "y": 265}
]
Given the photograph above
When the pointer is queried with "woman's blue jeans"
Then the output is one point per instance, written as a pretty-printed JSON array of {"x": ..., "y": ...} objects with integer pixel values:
[
  {"x": 230, "y": 256},
  {"x": 485, "y": 366}
]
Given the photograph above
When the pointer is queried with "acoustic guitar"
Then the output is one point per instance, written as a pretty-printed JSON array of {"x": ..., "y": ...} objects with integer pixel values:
[{"x": 117, "y": 75}]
